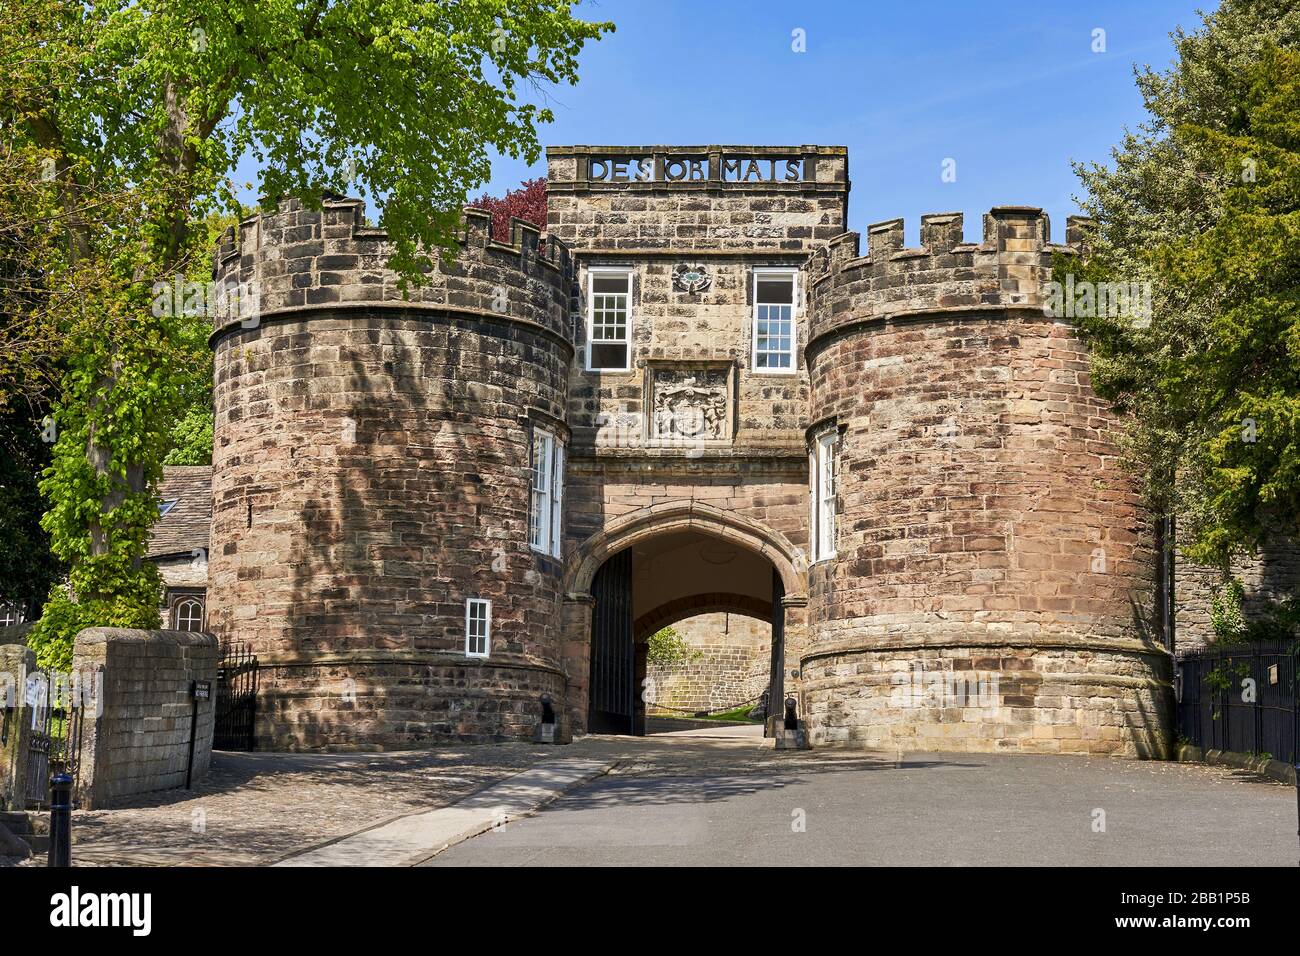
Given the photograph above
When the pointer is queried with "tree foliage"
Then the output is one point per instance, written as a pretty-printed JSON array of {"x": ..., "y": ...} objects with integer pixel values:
[
  {"x": 1201, "y": 202},
  {"x": 120, "y": 126},
  {"x": 666, "y": 647},
  {"x": 528, "y": 203},
  {"x": 27, "y": 566}
]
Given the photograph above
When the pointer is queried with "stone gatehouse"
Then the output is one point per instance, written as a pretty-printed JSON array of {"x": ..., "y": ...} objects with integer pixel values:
[{"x": 695, "y": 393}]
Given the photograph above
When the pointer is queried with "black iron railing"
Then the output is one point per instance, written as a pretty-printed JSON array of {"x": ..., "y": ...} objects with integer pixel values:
[
  {"x": 1241, "y": 699},
  {"x": 236, "y": 704},
  {"x": 54, "y": 744}
]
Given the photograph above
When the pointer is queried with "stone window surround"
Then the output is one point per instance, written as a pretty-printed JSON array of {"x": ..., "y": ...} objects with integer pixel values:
[{"x": 180, "y": 595}]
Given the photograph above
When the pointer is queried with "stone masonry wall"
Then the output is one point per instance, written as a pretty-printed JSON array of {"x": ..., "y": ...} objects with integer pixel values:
[
  {"x": 1272, "y": 574},
  {"x": 733, "y": 667},
  {"x": 16, "y": 662},
  {"x": 757, "y": 467},
  {"x": 371, "y": 472},
  {"x": 729, "y": 228},
  {"x": 988, "y": 536},
  {"x": 140, "y": 741}
]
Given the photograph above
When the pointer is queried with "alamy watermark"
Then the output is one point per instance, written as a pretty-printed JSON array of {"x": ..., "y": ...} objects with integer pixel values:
[
  {"x": 225, "y": 300},
  {"x": 919, "y": 687},
  {"x": 1090, "y": 300},
  {"x": 41, "y": 691}
]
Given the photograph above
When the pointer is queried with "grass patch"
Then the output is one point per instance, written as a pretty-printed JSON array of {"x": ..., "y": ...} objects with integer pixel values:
[{"x": 739, "y": 715}]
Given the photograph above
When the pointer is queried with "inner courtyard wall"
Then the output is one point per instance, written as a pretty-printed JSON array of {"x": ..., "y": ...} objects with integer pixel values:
[{"x": 727, "y": 665}]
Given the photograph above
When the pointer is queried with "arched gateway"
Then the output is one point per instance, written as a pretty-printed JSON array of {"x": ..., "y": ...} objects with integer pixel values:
[
  {"x": 435, "y": 507},
  {"x": 658, "y": 565}
]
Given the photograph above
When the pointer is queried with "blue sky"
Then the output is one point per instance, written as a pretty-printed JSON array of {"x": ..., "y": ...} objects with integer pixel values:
[{"x": 1010, "y": 90}]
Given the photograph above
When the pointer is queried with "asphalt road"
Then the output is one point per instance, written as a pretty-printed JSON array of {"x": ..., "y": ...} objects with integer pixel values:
[{"x": 685, "y": 802}]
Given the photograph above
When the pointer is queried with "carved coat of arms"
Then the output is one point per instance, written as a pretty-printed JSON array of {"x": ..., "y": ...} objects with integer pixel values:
[
  {"x": 691, "y": 277},
  {"x": 692, "y": 407}
]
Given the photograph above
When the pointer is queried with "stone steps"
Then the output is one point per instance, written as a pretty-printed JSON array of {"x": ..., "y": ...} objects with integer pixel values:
[{"x": 32, "y": 827}]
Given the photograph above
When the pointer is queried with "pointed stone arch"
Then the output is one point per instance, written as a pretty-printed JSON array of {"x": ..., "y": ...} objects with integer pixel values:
[
  {"x": 787, "y": 561},
  {"x": 625, "y": 531}
]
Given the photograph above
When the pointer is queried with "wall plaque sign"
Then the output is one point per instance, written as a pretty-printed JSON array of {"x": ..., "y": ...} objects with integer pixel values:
[
  {"x": 691, "y": 277},
  {"x": 690, "y": 168},
  {"x": 690, "y": 402}
]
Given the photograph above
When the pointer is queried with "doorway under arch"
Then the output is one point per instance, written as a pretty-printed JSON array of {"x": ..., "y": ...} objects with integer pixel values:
[{"x": 659, "y": 573}]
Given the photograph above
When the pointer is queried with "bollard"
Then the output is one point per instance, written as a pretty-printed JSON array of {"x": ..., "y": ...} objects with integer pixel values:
[
  {"x": 60, "y": 820},
  {"x": 547, "y": 731}
]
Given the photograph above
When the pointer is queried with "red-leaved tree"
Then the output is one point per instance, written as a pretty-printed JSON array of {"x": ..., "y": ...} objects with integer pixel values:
[{"x": 528, "y": 202}]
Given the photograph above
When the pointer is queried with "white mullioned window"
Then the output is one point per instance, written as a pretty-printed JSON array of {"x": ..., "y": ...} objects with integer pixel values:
[
  {"x": 822, "y": 468},
  {"x": 478, "y": 627},
  {"x": 189, "y": 615},
  {"x": 609, "y": 320},
  {"x": 547, "y": 493},
  {"x": 775, "y": 330}
]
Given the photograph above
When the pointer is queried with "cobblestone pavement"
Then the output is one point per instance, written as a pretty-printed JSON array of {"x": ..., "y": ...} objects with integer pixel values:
[{"x": 254, "y": 808}]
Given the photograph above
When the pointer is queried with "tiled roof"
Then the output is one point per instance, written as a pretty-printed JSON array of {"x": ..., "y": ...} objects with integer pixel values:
[{"x": 186, "y": 526}]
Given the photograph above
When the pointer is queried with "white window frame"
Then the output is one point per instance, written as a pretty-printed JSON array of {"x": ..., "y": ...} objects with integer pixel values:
[
  {"x": 176, "y": 612},
  {"x": 471, "y": 605},
  {"x": 545, "y": 496},
  {"x": 823, "y": 517},
  {"x": 11, "y": 615},
  {"x": 605, "y": 272},
  {"x": 782, "y": 272}
]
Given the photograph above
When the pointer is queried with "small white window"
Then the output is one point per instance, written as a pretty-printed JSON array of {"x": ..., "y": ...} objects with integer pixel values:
[
  {"x": 166, "y": 506},
  {"x": 774, "y": 321},
  {"x": 609, "y": 320},
  {"x": 547, "y": 492},
  {"x": 478, "y": 627},
  {"x": 821, "y": 493},
  {"x": 189, "y": 615},
  {"x": 10, "y": 614}
]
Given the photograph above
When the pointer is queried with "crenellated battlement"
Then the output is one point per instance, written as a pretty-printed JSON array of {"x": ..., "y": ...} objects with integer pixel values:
[
  {"x": 299, "y": 259},
  {"x": 1007, "y": 269}
]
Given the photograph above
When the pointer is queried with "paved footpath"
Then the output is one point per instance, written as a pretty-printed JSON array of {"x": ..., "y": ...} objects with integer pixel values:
[
  {"x": 702, "y": 801},
  {"x": 709, "y": 796},
  {"x": 256, "y": 808}
]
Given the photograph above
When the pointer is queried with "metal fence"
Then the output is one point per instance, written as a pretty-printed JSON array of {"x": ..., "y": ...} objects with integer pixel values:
[
  {"x": 1241, "y": 699},
  {"x": 54, "y": 745},
  {"x": 236, "y": 710}
]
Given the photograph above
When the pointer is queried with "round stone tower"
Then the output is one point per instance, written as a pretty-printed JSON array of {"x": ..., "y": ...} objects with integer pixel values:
[
  {"x": 371, "y": 475},
  {"x": 993, "y": 569}
]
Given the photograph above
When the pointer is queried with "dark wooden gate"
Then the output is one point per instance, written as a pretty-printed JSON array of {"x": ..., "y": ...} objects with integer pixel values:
[
  {"x": 776, "y": 679},
  {"x": 236, "y": 707},
  {"x": 612, "y": 705}
]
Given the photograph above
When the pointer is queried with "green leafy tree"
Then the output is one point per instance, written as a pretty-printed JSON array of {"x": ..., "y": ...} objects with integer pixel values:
[
  {"x": 1246, "y": 377},
  {"x": 123, "y": 122},
  {"x": 1200, "y": 202},
  {"x": 666, "y": 647},
  {"x": 28, "y": 568}
]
